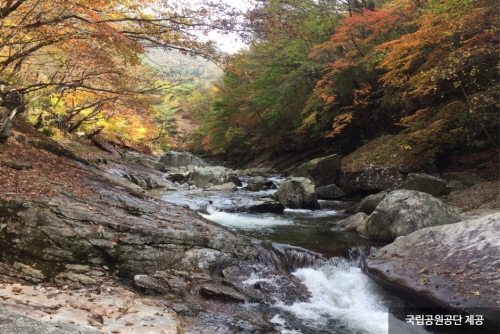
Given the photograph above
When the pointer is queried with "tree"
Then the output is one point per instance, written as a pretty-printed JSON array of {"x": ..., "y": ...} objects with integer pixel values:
[{"x": 86, "y": 53}]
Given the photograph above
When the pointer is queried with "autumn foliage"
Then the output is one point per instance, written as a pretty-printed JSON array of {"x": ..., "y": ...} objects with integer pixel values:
[
  {"x": 424, "y": 70},
  {"x": 79, "y": 65}
]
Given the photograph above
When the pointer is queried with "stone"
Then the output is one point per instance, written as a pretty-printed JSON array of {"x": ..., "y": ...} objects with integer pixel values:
[
  {"x": 144, "y": 160},
  {"x": 368, "y": 204},
  {"x": 402, "y": 212},
  {"x": 425, "y": 183},
  {"x": 204, "y": 177},
  {"x": 221, "y": 292},
  {"x": 330, "y": 191},
  {"x": 455, "y": 266},
  {"x": 230, "y": 186},
  {"x": 298, "y": 193},
  {"x": 12, "y": 322},
  {"x": 178, "y": 159},
  {"x": 351, "y": 223},
  {"x": 234, "y": 179},
  {"x": 371, "y": 179},
  {"x": 322, "y": 171},
  {"x": 258, "y": 183},
  {"x": 266, "y": 205}
]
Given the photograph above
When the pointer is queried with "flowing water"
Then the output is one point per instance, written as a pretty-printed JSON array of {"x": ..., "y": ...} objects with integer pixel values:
[{"x": 343, "y": 299}]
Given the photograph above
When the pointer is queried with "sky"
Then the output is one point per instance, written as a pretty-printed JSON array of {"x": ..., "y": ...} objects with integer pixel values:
[{"x": 230, "y": 43}]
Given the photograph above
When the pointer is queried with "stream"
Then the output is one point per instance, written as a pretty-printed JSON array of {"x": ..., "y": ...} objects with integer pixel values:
[{"x": 344, "y": 299}]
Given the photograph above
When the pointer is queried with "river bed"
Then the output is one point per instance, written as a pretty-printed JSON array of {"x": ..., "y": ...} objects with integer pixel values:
[{"x": 343, "y": 299}]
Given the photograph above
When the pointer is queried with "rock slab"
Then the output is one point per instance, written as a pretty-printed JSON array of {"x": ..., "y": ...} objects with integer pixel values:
[{"x": 455, "y": 266}]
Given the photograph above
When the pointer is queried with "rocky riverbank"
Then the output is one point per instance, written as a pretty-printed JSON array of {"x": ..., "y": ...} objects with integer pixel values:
[{"x": 86, "y": 250}]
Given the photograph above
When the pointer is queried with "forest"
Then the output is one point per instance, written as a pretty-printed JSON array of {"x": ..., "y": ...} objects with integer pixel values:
[{"x": 419, "y": 76}]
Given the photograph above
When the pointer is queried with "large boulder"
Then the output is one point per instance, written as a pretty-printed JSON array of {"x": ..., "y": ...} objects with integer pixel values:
[
  {"x": 144, "y": 160},
  {"x": 298, "y": 193},
  {"x": 370, "y": 179},
  {"x": 425, "y": 183},
  {"x": 330, "y": 191},
  {"x": 209, "y": 176},
  {"x": 454, "y": 266},
  {"x": 178, "y": 159},
  {"x": 368, "y": 204},
  {"x": 351, "y": 223},
  {"x": 5, "y": 125},
  {"x": 405, "y": 211},
  {"x": 258, "y": 183},
  {"x": 322, "y": 171}
]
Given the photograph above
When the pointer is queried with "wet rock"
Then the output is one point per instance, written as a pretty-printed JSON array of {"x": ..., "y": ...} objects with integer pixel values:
[
  {"x": 322, "y": 171},
  {"x": 128, "y": 234},
  {"x": 264, "y": 283},
  {"x": 179, "y": 175},
  {"x": 371, "y": 179},
  {"x": 351, "y": 223},
  {"x": 143, "y": 160},
  {"x": 234, "y": 179},
  {"x": 143, "y": 181},
  {"x": 368, "y": 204},
  {"x": 256, "y": 205},
  {"x": 402, "y": 212},
  {"x": 178, "y": 159},
  {"x": 221, "y": 292},
  {"x": 454, "y": 266},
  {"x": 266, "y": 205},
  {"x": 257, "y": 171},
  {"x": 330, "y": 191},
  {"x": 224, "y": 187},
  {"x": 429, "y": 184},
  {"x": 258, "y": 183},
  {"x": 298, "y": 193},
  {"x": 204, "y": 177}
]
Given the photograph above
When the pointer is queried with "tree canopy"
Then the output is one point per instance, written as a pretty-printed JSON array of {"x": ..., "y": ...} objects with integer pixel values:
[
  {"x": 340, "y": 73},
  {"x": 80, "y": 62}
]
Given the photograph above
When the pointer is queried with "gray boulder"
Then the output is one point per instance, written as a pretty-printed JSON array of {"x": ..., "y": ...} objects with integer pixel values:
[
  {"x": 455, "y": 266},
  {"x": 178, "y": 159},
  {"x": 209, "y": 176},
  {"x": 322, "y": 171},
  {"x": 258, "y": 183},
  {"x": 330, "y": 191},
  {"x": 368, "y": 204},
  {"x": 425, "y": 183},
  {"x": 370, "y": 179},
  {"x": 405, "y": 211},
  {"x": 352, "y": 223},
  {"x": 5, "y": 125},
  {"x": 298, "y": 193}
]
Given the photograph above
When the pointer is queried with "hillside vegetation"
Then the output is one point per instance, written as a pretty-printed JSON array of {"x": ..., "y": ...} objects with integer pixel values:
[
  {"x": 337, "y": 75},
  {"x": 419, "y": 77}
]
